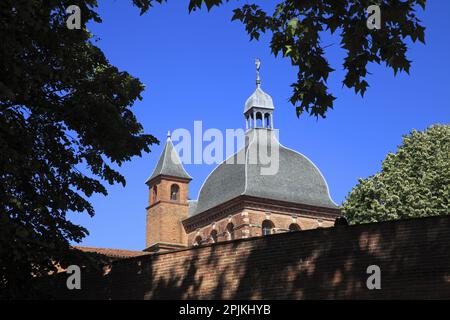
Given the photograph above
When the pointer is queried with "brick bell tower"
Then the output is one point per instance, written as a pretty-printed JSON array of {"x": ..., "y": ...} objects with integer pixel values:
[{"x": 168, "y": 203}]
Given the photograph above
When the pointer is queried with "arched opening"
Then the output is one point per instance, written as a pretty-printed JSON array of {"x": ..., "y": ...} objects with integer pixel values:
[
  {"x": 294, "y": 227},
  {"x": 230, "y": 231},
  {"x": 267, "y": 227},
  {"x": 155, "y": 194},
  {"x": 198, "y": 241},
  {"x": 174, "y": 192},
  {"x": 214, "y": 236},
  {"x": 248, "y": 122},
  {"x": 267, "y": 120},
  {"x": 259, "y": 120}
]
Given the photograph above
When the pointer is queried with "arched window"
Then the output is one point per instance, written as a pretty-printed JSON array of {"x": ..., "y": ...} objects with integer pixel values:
[
  {"x": 267, "y": 227},
  {"x": 230, "y": 231},
  {"x": 198, "y": 241},
  {"x": 259, "y": 120},
  {"x": 155, "y": 193},
  {"x": 294, "y": 227},
  {"x": 214, "y": 236},
  {"x": 174, "y": 192},
  {"x": 267, "y": 119}
]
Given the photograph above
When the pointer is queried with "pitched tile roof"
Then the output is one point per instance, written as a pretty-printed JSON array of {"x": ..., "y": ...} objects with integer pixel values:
[{"x": 113, "y": 253}]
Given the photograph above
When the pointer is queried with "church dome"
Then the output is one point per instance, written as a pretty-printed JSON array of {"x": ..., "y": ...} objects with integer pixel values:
[
  {"x": 259, "y": 99},
  {"x": 296, "y": 180}
]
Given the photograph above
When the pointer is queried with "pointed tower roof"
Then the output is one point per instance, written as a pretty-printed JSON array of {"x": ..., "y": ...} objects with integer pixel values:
[{"x": 169, "y": 163}]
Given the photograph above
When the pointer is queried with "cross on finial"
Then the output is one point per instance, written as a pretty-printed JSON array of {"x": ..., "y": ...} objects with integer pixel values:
[{"x": 258, "y": 66}]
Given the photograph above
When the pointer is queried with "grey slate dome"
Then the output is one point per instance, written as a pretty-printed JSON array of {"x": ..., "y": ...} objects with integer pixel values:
[
  {"x": 297, "y": 180},
  {"x": 169, "y": 163}
]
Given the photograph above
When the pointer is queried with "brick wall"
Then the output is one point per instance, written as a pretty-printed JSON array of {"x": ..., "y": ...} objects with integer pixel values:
[{"x": 331, "y": 263}]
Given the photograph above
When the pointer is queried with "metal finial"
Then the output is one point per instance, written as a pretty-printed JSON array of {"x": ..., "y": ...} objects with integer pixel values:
[
  {"x": 168, "y": 134},
  {"x": 258, "y": 79}
]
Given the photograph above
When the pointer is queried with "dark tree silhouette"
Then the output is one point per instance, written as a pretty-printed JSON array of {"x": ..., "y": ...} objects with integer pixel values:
[{"x": 63, "y": 107}]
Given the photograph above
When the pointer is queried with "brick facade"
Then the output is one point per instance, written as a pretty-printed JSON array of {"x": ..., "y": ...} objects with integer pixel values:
[
  {"x": 243, "y": 217},
  {"x": 164, "y": 215},
  {"x": 249, "y": 223},
  {"x": 329, "y": 263}
]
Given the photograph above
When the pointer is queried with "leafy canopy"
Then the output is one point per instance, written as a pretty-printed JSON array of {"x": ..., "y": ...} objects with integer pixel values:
[
  {"x": 296, "y": 27},
  {"x": 63, "y": 107},
  {"x": 413, "y": 182}
]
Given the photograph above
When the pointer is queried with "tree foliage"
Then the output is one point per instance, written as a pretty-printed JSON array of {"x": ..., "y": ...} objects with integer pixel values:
[
  {"x": 413, "y": 182},
  {"x": 65, "y": 120},
  {"x": 296, "y": 27}
]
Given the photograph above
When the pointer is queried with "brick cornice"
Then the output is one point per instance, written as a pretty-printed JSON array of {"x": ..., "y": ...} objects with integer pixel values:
[
  {"x": 168, "y": 202},
  {"x": 156, "y": 247},
  {"x": 219, "y": 212},
  {"x": 157, "y": 179},
  {"x": 281, "y": 207}
]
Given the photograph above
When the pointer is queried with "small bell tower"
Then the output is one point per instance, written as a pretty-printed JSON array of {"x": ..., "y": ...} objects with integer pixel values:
[
  {"x": 258, "y": 111},
  {"x": 168, "y": 203}
]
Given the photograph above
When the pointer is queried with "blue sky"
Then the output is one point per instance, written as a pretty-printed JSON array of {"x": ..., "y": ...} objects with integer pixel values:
[{"x": 200, "y": 66}]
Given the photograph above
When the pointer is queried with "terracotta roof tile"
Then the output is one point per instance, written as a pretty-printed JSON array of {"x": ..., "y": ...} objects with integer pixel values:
[{"x": 113, "y": 253}]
